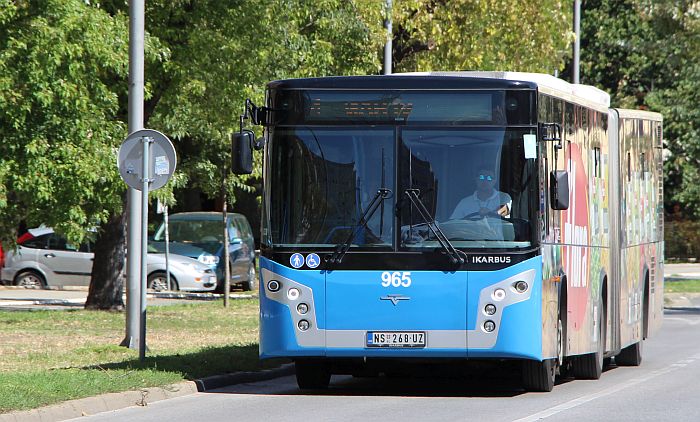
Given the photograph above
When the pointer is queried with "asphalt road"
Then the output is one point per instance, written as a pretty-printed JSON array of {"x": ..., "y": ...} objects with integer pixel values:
[{"x": 664, "y": 388}]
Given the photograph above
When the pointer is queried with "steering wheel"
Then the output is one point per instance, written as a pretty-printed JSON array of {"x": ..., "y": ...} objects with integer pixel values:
[{"x": 479, "y": 216}]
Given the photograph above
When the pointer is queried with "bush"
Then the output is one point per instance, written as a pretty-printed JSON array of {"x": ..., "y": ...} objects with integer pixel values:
[{"x": 682, "y": 240}]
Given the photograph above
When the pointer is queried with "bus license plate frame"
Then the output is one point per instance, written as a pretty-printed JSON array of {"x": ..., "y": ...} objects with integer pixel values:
[{"x": 396, "y": 339}]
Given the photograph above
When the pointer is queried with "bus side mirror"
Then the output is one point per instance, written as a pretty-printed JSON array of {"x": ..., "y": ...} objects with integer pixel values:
[
  {"x": 242, "y": 152},
  {"x": 559, "y": 190}
]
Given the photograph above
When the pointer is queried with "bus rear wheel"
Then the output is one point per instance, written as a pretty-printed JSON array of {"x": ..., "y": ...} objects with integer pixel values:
[
  {"x": 632, "y": 354},
  {"x": 312, "y": 374}
]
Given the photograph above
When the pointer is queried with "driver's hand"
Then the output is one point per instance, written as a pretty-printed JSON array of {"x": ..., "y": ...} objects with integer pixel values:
[{"x": 503, "y": 211}]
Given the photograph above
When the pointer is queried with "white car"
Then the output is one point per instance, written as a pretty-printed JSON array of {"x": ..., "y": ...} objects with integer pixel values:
[{"x": 44, "y": 258}]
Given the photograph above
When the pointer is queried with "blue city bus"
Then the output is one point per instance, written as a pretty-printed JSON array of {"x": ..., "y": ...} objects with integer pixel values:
[{"x": 442, "y": 217}]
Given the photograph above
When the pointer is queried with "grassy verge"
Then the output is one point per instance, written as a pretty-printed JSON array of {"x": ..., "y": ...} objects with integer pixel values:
[
  {"x": 48, "y": 356},
  {"x": 682, "y": 286}
]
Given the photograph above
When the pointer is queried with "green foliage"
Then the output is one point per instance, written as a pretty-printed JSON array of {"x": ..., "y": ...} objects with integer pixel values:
[
  {"x": 58, "y": 63},
  {"x": 528, "y": 36},
  {"x": 645, "y": 54}
]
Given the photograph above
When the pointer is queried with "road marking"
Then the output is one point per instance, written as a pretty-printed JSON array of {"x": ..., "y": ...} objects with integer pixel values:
[{"x": 608, "y": 391}]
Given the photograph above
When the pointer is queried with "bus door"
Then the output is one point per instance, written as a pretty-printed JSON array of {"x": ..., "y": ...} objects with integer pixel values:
[{"x": 417, "y": 312}]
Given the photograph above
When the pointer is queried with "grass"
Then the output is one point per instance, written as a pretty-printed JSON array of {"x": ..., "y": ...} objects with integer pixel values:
[
  {"x": 48, "y": 356},
  {"x": 682, "y": 286}
]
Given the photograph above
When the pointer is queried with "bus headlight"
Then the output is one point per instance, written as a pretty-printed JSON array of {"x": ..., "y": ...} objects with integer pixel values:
[
  {"x": 489, "y": 326},
  {"x": 304, "y": 325},
  {"x": 302, "y": 308},
  {"x": 490, "y": 309}
]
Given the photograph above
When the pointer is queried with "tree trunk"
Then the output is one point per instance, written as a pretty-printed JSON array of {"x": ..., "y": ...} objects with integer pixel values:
[{"x": 107, "y": 279}]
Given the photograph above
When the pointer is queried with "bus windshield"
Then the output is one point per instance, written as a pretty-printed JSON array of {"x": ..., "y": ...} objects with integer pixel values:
[{"x": 478, "y": 183}]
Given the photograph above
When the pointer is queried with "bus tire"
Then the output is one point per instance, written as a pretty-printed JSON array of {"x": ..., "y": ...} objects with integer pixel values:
[
  {"x": 539, "y": 376},
  {"x": 590, "y": 366},
  {"x": 630, "y": 355},
  {"x": 312, "y": 374}
]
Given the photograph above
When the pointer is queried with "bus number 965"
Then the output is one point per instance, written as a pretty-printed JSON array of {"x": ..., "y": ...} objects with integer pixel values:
[{"x": 396, "y": 279}]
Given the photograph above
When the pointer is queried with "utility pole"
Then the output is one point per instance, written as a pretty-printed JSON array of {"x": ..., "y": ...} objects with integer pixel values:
[
  {"x": 389, "y": 36},
  {"x": 577, "y": 41},
  {"x": 136, "y": 82}
]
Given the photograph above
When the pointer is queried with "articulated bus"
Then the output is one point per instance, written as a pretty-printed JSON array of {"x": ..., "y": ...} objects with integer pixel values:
[{"x": 505, "y": 217}]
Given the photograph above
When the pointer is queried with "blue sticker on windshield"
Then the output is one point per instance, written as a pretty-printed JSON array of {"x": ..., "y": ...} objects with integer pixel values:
[
  {"x": 312, "y": 260},
  {"x": 296, "y": 260}
]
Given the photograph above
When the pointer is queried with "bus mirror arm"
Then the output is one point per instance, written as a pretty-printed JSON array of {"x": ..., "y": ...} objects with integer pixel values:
[{"x": 551, "y": 132}]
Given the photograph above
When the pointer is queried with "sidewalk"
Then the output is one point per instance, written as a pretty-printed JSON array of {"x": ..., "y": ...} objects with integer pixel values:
[{"x": 681, "y": 271}]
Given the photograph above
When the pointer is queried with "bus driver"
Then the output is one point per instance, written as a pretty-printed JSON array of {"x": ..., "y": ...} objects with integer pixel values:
[{"x": 485, "y": 199}]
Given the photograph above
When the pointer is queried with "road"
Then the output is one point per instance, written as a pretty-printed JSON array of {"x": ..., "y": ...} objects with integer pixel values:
[{"x": 664, "y": 388}]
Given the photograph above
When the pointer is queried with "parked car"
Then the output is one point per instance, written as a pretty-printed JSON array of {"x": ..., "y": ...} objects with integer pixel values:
[
  {"x": 200, "y": 235},
  {"x": 44, "y": 258}
]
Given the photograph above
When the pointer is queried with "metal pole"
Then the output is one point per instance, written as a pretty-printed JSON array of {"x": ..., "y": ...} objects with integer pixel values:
[
  {"x": 144, "y": 242},
  {"x": 577, "y": 41},
  {"x": 167, "y": 246},
  {"x": 389, "y": 36},
  {"x": 136, "y": 42}
]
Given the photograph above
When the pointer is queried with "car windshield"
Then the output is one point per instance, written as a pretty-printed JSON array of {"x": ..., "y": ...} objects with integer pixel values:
[{"x": 192, "y": 231}]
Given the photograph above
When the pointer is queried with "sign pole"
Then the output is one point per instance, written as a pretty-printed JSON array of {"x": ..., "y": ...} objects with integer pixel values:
[{"x": 144, "y": 242}]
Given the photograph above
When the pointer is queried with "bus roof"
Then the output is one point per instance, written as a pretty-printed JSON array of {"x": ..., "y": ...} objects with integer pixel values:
[
  {"x": 399, "y": 82},
  {"x": 547, "y": 84},
  {"x": 582, "y": 94}
]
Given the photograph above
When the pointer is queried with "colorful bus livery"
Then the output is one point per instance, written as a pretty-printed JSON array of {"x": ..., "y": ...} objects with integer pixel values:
[{"x": 456, "y": 216}]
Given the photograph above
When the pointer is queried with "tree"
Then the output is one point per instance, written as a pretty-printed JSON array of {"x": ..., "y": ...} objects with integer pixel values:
[
  {"x": 644, "y": 54},
  {"x": 481, "y": 35},
  {"x": 59, "y": 61}
]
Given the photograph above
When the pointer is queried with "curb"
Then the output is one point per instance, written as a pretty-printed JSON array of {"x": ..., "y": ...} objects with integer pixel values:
[
  {"x": 219, "y": 381},
  {"x": 143, "y": 397}
]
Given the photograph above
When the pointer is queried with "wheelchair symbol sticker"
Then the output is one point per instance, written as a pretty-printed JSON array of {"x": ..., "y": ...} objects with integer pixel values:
[
  {"x": 312, "y": 260},
  {"x": 296, "y": 260}
]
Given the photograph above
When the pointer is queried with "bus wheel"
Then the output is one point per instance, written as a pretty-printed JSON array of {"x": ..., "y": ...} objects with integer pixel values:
[
  {"x": 312, "y": 374},
  {"x": 590, "y": 366},
  {"x": 539, "y": 376},
  {"x": 630, "y": 355}
]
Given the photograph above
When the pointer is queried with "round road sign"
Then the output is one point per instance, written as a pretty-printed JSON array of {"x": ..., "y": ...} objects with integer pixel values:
[{"x": 162, "y": 159}]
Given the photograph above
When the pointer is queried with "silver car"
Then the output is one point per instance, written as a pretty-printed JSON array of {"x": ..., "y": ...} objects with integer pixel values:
[{"x": 44, "y": 258}]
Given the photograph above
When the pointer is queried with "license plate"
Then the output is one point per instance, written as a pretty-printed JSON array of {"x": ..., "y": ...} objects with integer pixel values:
[{"x": 396, "y": 339}]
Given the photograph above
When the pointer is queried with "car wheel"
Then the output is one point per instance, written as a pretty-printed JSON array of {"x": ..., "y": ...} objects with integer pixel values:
[
  {"x": 30, "y": 279},
  {"x": 252, "y": 283},
  {"x": 159, "y": 282}
]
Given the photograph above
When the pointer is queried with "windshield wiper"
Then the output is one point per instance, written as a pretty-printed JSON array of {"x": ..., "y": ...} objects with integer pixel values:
[
  {"x": 454, "y": 254},
  {"x": 342, "y": 248}
]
